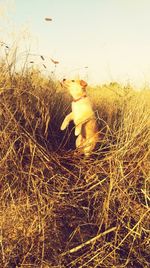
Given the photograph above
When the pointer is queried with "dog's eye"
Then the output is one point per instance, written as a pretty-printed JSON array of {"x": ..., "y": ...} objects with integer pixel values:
[{"x": 72, "y": 80}]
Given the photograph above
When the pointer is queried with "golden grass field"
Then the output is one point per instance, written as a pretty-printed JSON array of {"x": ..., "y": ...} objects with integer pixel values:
[{"x": 57, "y": 208}]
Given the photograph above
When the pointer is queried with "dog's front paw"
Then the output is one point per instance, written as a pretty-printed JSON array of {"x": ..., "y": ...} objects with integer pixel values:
[
  {"x": 63, "y": 126},
  {"x": 78, "y": 130}
]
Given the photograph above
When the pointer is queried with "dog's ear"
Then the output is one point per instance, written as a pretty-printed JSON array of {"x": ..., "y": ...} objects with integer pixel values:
[{"x": 83, "y": 83}]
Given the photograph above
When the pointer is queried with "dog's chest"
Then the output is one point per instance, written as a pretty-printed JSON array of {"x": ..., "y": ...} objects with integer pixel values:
[{"x": 82, "y": 110}]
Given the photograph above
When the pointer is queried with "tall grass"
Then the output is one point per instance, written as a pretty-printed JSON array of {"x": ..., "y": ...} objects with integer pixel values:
[{"x": 59, "y": 209}]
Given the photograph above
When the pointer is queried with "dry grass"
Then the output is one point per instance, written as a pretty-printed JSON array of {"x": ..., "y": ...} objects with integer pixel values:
[{"x": 59, "y": 209}]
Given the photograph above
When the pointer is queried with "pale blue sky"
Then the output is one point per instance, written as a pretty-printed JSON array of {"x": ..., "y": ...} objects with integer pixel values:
[{"x": 111, "y": 37}]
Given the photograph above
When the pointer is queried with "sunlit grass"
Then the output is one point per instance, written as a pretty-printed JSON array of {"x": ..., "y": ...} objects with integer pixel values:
[{"x": 59, "y": 209}]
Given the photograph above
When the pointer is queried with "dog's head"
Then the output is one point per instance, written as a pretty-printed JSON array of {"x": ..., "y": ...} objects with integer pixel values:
[{"x": 77, "y": 88}]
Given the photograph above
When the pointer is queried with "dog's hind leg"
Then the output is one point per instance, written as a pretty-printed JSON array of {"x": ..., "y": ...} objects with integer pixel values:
[
  {"x": 79, "y": 141},
  {"x": 89, "y": 145}
]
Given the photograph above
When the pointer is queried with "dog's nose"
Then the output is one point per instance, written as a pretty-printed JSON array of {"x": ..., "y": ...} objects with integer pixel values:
[{"x": 62, "y": 82}]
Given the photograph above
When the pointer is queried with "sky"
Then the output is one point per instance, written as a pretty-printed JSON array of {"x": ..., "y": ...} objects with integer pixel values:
[{"x": 99, "y": 40}]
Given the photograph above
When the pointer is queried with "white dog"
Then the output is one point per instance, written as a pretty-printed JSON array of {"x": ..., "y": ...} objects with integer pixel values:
[{"x": 83, "y": 116}]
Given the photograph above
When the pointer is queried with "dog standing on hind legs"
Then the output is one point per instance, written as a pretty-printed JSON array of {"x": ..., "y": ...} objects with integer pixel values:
[{"x": 82, "y": 115}]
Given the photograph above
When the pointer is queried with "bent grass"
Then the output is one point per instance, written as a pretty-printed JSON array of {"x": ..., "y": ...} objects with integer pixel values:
[{"x": 59, "y": 209}]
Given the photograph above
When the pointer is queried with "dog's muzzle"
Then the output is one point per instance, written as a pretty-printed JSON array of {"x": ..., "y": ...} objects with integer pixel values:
[{"x": 62, "y": 82}]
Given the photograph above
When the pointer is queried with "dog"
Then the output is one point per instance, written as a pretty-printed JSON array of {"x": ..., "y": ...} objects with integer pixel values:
[{"x": 82, "y": 115}]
